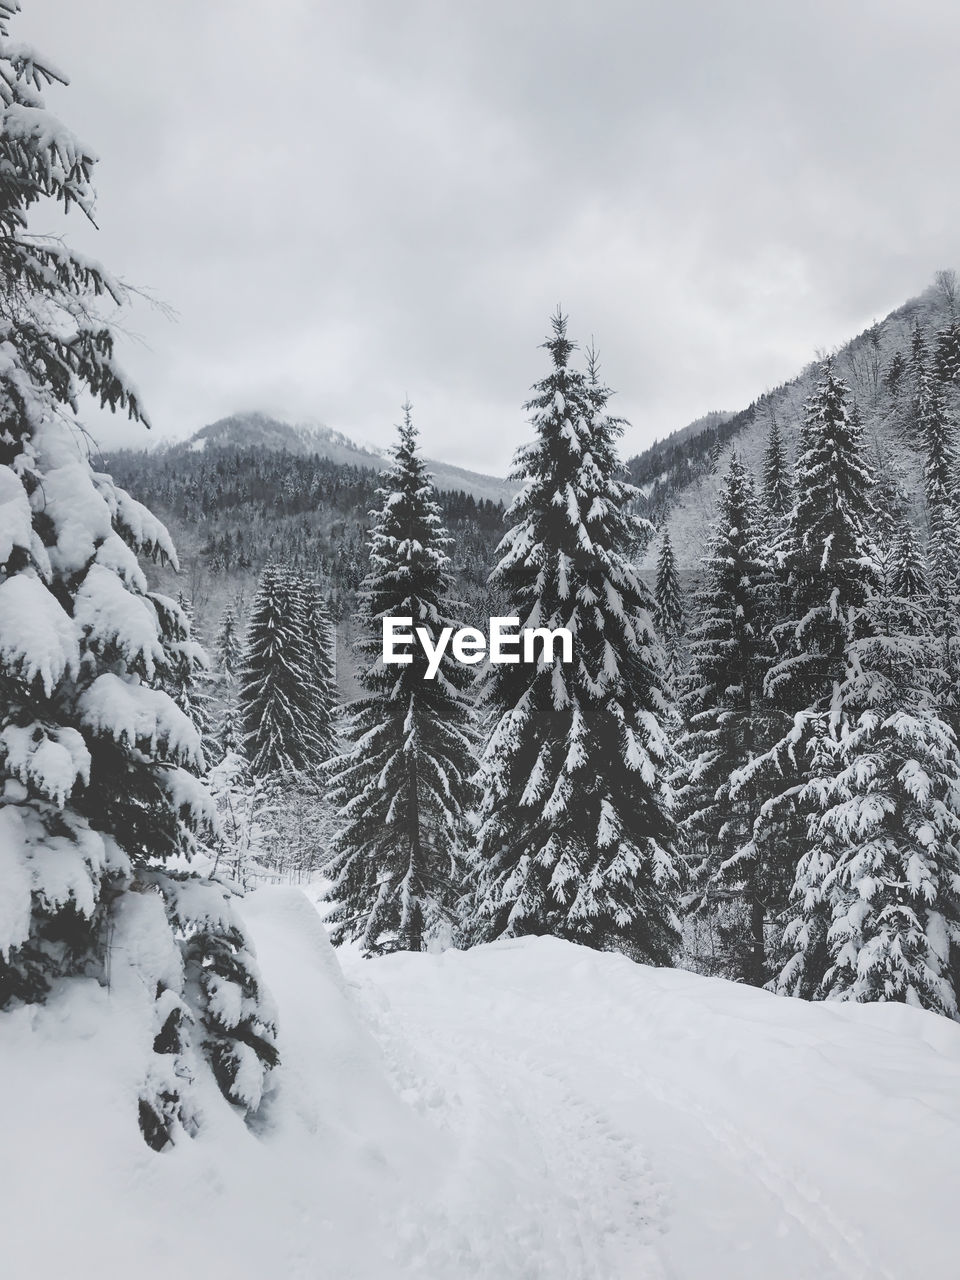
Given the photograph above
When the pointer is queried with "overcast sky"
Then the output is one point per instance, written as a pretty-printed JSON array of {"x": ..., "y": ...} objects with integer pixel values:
[{"x": 351, "y": 202}]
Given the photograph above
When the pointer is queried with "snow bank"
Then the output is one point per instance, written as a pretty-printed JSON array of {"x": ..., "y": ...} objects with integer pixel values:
[
  {"x": 339, "y": 1152},
  {"x": 525, "y": 1111},
  {"x": 690, "y": 1127}
]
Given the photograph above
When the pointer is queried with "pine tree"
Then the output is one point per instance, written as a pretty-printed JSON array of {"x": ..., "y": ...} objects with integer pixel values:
[
  {"x": 918, "y": 354},
  {"x": 916, "y": 374},
  {"x": 403, "y": 785},
  {"x": 827, "y": 550},
  {"x": 228, "y": 644},
  {"x": 576, "y": 836},
  {"x": 101, "y": 805},
  {"x": 909, "y": 577},
  {"x": 946, "y": 360},
  {"x": 896, "y": 372},
  {"x": 777, "y": 486},
  {"x": 276, "y": 679},
  {"x": 880, "y": 883},
  {"x": 228, "y": 648},
  {"x": 669, "y": 614},
  {"x": 716, "y": 450},
  {"x": 727, "y": 725},
  {"x": 941, "y": 476},
  {"x": 828, "y": 568},
  {"x": 318, "y": 639}
]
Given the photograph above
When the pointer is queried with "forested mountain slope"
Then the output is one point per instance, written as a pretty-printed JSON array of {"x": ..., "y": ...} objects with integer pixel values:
[
  {"x": 680, "y": 476},
  {"x": 249, "y": 489},
  {"x": 260, "y": 430}
]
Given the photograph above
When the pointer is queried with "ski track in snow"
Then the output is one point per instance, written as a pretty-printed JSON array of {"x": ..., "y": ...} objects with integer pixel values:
[
  {"x": 615, "y": 1167},
  {"x": 570, "y": 1191}
]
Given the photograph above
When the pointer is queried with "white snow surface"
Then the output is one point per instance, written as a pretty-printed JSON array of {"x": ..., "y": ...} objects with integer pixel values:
[{"x": 527, "y": 1109}]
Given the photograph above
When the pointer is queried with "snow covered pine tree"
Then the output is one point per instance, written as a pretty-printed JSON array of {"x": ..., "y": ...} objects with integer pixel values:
[
  {"x": 941, "y": 490},
  {"x": 286, "y": 679},
  {"x": 777, "y": 486},
  {"x": 228, "y": 645},
  {"x": 228, "y": 648},
  {"x": 318, "y": 637},
  {"x": 404, "y": 783},
  {"x": 576, "y": 836},
  {"x": 727, "y": 723},
  {"x": 99, "y": 798},
  {"x": 827, "y": 566},
  {"x": 286, "y": 703},
  {"x": 889, "y": 820},
  {"x": 670, "y": 619}
]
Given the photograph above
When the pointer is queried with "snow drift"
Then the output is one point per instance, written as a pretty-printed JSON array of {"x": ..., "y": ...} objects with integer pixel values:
[{"x": 526, "y": 1109}]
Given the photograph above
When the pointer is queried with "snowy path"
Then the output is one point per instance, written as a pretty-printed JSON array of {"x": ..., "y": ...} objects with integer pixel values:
[
  {"x": 522, "y": 1111},
  {"x": 622, "y": 1122}
]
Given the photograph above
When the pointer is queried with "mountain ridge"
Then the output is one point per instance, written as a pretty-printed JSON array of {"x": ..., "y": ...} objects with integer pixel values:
[
  {"x": 257, "y": 429},
  {"x": 680, "y": 476}
]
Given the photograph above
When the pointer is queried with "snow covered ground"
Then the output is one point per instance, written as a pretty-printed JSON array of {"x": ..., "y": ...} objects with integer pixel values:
[{"x": 525, "y": 1110}]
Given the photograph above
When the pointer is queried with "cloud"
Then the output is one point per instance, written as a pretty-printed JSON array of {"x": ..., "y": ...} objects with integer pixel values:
[{"x": 348, "y": 204}]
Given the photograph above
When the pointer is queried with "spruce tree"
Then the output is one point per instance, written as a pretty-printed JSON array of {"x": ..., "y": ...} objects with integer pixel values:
[
  {"x": 941, "y": 476},
  {"x": 575, "y": 832},
  {"x": 917, "y": 372},
  {"x": 403, "y": 784},
  {"x": 882, "y": 874},
  {"x": 828, "y": 568},
  {"x": 229, "y": 658},
  {"x": 947, "y": 354},
  {"x": 827, "y": 550},
  {"x": 918, "y": 355},
  {"x": 669, "y": 615},
  {"x": 896, "y": 372},
  {"x": 228, "y": 644},
  {"x": 909, "y": 578},
  {"x": 716, "y": 450},
  {"x": 318, "y": 639},
  {"x": 100, "y": 804},
  {"x": 276, "y": 679},
  {"x": 727, "y": 725},
  {"x": 777, "y": 485}
]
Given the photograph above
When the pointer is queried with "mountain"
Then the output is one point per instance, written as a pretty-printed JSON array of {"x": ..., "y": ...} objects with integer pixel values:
[
  {"x": 259, "y": 430},
  {"x": 679, "y": 477},
  {"x": 251, "y": 489}
]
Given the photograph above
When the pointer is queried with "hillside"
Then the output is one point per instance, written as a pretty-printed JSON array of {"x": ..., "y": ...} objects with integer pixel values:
[
  {"x": 259, "y": 430},
  {"x": 680, "y": 476},
  {"x": 250, "y": 489},
  {"x": 529, "y": 1110}
]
